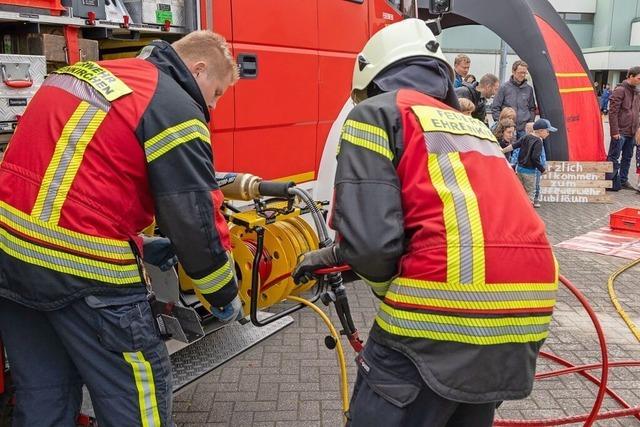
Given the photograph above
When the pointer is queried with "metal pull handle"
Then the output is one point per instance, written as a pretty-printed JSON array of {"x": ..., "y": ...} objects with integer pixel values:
[
  {"x": 248, "y": 66},
  {"x": 15, "y": 84}
]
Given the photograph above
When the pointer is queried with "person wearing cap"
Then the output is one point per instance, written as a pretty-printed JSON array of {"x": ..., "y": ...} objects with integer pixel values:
[
  {"x": 420, "y": 219},
  {"x": 531, "y": 158}
]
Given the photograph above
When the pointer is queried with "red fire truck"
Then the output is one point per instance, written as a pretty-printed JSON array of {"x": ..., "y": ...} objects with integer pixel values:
[{"x": 296, "y": 60}]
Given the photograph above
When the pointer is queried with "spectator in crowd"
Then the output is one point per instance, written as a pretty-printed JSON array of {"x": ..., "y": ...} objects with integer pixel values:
[
  {"x": 479, "y": 93},
  {"x": 506, "y": 113},
  {"x": 530, "y": 157},
  {"x": 470, "y": 78},
  {"x": 505, "y": 133},
  {"x": 466, "y": 107},
  {"x": 461, "y": 66},
  {"x": 604, "y": 99},
  {"x": 637, "y": 141},
  {"x": 543, "y": 159},
  {"x": 517, "y": 94},
  {"x": 624, "y": 118}
]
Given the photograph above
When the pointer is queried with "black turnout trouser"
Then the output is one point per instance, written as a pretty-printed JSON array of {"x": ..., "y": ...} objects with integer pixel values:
[{"x": 389, "y": 392}]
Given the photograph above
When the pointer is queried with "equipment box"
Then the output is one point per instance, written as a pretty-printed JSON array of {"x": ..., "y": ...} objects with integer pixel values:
[
  {"x": 627, "y": 219},
  {"x": 156, "y": 11},
  {"x": 54, "y": 47},
  {"x": 22, "y": 76},
  {"x": 81, "y": 8}
]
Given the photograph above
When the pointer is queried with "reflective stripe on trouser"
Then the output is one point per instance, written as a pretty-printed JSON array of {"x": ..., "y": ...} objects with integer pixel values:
[
  {"x": 488, "y": 314},
  {"x": 146, "y": 388},
  {"x": 47, "y": 245},
  {"x": 108, "y": 328},
  {"x": 66, "y": 160}
]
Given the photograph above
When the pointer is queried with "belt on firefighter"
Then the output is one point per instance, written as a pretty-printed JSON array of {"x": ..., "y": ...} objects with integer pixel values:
[
  {"x": 474, "y": 314},
  {"x": 50, "y": 246}
]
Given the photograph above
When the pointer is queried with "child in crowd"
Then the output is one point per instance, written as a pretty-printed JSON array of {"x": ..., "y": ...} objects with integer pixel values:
[
  {"x": 529, "y": 159},
  {"x": 505, "y": 133},
  {"x": 543, "y": 159},
  {"x": 466, "y": 106},
  {"x": 506, "y": 113}
]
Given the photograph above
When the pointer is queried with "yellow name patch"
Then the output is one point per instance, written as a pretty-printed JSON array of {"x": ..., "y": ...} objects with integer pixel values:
[
  {"x": 437, "y": 120},
  {"x": 99, "y": 78}
]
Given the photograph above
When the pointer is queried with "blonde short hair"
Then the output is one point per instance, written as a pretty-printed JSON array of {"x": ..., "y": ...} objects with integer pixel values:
[
  {"x": 211, "y": 48},
  {"x": 461, "y": 59},
  {"x": 466, "y": 106},
  {"x": 506, "y": 112}
]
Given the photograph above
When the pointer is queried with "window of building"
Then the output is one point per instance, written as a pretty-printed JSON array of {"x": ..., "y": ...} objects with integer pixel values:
[{"x": 577, "y": 18}]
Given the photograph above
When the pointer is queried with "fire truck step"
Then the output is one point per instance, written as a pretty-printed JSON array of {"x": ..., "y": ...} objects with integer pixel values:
[{"x": 198, "y": 359}]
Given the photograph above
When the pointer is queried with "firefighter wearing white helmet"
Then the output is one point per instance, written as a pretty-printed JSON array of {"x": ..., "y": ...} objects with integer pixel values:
[{"x": 416, "y": 211}]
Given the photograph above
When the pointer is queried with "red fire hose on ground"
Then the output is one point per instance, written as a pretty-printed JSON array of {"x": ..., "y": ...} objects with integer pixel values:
[
  {"x": 569, "y": 368},
  {"x": 603, "y": 389}
]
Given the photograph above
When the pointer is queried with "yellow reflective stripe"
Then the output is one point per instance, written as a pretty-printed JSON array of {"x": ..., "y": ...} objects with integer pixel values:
[
  {"x": 505, "y": 304},
  {"x": 175, "y": 136},
  {"x": 465, "y": 239},
  {"x": 450, "y": 220},
  {"x": 61, "y": 146},
  {"x": 367, "y": 136},
  {"x": 145, "y": 385},
  {"x": 488, "y": 287},
  {"x": 216, "y": 280},
  {"x": 66, "y": 160},
  {"x": 380, "y": 288},
  {"x": 58, "y": 236},
  {"x": 368, "y": 128},
  {"x": 458, "y": 320},
  {"x": 101, "y": 79},
  {"x": 68, "y": 263},
  {"x": 577, "y": 89},
  {"x": 477, "y": 234},
  {"x": 461, "y": 338}
]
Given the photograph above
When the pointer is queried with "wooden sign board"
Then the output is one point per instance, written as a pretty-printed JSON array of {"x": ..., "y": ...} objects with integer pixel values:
[{"x": 575, "y": 182}]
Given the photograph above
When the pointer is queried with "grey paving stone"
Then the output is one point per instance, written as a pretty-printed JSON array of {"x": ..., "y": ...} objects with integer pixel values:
[{"x": 291, "y": 379}]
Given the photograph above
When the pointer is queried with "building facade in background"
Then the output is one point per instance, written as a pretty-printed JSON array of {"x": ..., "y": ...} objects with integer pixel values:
[{"x": 608, "y": 31}]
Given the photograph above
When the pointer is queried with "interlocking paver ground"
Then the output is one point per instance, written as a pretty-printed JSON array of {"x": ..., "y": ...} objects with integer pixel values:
[{"x": 291, "y": 379}]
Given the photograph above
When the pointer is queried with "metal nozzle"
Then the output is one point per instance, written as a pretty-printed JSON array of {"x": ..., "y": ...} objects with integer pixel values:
[{"x": 239, "y": 186}]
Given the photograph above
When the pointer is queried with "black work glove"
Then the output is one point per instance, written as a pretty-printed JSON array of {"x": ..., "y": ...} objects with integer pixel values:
[
  {"x": 312, "y": 261},
  {"x": 159, "y": 252}
]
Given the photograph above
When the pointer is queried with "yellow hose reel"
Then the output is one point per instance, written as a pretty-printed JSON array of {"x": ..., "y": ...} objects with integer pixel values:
[{"x": 286, "y": 236}]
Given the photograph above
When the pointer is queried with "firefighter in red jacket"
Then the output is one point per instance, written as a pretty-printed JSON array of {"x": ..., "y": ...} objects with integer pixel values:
[
  {"x": 429, "y": 214},
  {"x": 102, "y": 149}
]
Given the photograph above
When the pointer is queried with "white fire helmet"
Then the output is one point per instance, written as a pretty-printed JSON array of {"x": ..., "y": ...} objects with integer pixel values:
[{"x": 404, "y": 39}]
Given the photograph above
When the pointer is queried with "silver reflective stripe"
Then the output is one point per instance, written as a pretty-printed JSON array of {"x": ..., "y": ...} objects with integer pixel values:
[
  {"x": 65, "y": 160},
  {"x": 216, "y": 280},
  {"x": 371, "y": 137},
  {"x": 145, "y": 386},
  {"x": 367, "y": 132},
  {"x": 65, "y": 238},
  {"x": 471, "y": 296},
  {"x": 174, "y": 137},
  {"x": 470, "y": 329},
  {"x": 77, "y": 266},
  {"x": 79, "y": 89},
  {"x": 443, "y": 143},
  {"x": 462, "y": 218}
]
